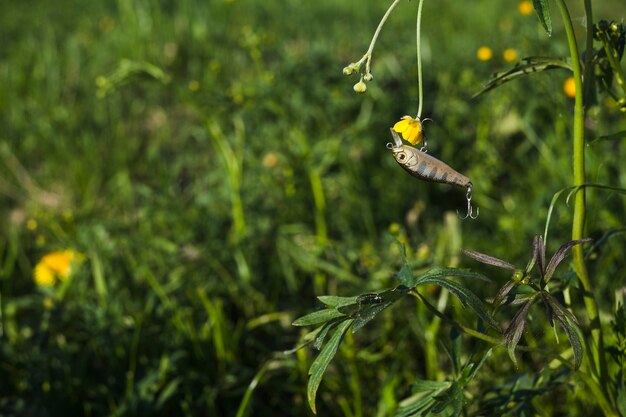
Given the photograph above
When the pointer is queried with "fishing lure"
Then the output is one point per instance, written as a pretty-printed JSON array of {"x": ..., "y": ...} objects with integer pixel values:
[{"x": 425, "y": 167}]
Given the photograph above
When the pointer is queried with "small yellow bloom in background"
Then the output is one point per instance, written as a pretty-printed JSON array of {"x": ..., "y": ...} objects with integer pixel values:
[
  {"x": 55, "y": 266},
  {"x": 193, "y": 86},
  {"x": 569, "y": 87},
  {"x": 31, "y": 224},
  {"x": 525, "y": 7},
  {"x": 411, "y": 129},
  {"x": 509, "y": 55},
  {"x": 484, "y": 53}
]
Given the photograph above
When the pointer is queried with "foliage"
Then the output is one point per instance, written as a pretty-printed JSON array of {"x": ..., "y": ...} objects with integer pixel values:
[{"x": 218, "y": 175}]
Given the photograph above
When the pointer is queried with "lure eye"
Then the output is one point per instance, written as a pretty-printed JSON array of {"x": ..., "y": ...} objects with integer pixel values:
[{"x": 401, "y": 156}]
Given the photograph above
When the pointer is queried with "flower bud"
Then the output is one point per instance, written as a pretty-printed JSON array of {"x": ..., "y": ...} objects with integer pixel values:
[
  {"x": 360, "y": 87},
  {"x": 368, "y": 77},
  {"x": 348, "y": 70}
]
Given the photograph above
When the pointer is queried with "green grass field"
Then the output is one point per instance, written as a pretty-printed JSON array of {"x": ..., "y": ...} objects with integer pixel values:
[{"x": 212, "y": 172}]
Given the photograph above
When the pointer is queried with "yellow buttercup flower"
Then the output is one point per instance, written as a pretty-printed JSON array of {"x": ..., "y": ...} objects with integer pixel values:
[
  {"x": 509, "y": 55},
  {"x": 484, "y": 53},
  {"x": 55, "y": 266},
  {"x": 569, "y": 87},
  {"x": 525, "y": 7},
  {"x": 411, "y": 129}
]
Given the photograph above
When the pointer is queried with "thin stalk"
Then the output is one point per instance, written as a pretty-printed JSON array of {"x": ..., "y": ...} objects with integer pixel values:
[
  {"x": 367, "y": 58},
  {"x": 418, "y": 31},
  {"x": 578, "y": 221}
]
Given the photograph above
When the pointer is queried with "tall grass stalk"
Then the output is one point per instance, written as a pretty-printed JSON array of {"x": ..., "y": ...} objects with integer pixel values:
[{"x": 598, "y": 367}]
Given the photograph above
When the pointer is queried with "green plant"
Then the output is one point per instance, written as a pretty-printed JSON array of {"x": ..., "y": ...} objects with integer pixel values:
[{"x": 597, "y": 70}]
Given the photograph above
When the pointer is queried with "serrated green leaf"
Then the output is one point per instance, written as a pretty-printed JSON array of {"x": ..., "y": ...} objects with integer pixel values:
[
  {"x": 335, "y": 301},
  {"x": 542, "y": 7},
  {"x": 319, "y": 365},
  {"x": 317, "y": 317},
  {"x": 467, "y": 297}
]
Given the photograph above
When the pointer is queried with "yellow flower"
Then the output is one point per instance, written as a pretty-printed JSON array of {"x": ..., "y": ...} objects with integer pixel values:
[
  {"x": 411, "y": 129},
  {"x": 509, "y": 55},
  {"x": 484, "y": 53},
  {"x": 55, "y": 266},
  {"x": 569, "y": 87},
  {"x": 525, "y": 7}
]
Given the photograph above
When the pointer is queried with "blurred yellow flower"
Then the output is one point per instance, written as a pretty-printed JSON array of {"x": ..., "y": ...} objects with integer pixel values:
[
  {"x": 484, "y": 53},
  {"x": 525, "y": 7},
  {"x": 569, "y": 87},
  {"x": 55, "y": 266},
  {"x": 411, "y": 129},
  {"x": 509, "y": 55}
]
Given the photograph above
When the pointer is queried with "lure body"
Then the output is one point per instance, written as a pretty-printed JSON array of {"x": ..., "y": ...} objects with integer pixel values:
[{"x": 425, "y": 167}]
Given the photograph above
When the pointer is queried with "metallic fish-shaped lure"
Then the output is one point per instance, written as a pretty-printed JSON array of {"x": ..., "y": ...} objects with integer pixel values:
[{"x": 425, "y": 167}]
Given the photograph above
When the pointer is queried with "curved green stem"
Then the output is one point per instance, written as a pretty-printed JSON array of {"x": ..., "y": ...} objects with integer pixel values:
[
  {"x": 418, "y": 30},
  {"x": 599, "y": 366}
]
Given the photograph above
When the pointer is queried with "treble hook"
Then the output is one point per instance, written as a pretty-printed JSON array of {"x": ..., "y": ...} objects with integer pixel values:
[{"x": 470, "y": 210}]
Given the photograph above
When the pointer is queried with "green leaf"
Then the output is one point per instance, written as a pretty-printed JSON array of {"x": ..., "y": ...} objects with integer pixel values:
[
  {"x": 575, "y": 339},
  {"x": 369, "y": 305},
  {"x": 335, "y": 301},
  {"x": 421, "y": 385},
  {"x": 526, "y": 66},
  {"x": 404, "y": 274},
  {"x": 514, "y": 332},
  {"x": 317, "y": 317},
  {"x": 569, "y": 323},
  {"x": 542, "y": 7},
  {"x": 321, "y": 336},
  {"x": 467, "y": 297},
  {"x": 453, "y": 396},
  {"x": 613, "y": 136},
  {"x": 319, "y": 365}
]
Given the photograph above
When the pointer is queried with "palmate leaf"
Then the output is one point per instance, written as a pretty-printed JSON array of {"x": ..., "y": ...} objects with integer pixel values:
[
  {"x": 542, "y": 7},
  {"x": 526, "y": 66},
  {"x": 438, "y": 276},
  {"x": 319, "y": 365}
]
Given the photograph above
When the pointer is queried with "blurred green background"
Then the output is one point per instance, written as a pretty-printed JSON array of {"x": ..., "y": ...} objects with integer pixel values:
[{"x": 216, "y": 172}]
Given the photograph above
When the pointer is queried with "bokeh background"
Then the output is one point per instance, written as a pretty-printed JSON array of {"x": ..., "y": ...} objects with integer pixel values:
[{"x": 180, "y": 180}]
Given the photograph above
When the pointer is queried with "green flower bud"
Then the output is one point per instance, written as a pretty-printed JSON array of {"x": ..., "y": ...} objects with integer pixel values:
[
  {"x": 348, "y": 70},
  {"x": 360, "y": 87},
  {"x": 368, "y": 77}
]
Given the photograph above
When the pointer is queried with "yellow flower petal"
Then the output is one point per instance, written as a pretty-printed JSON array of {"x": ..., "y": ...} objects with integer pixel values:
[
  {"x": 59, "y": 262},
  {"x": 525, "y": 7},
  {"x": 410, "y": 128},
  {"x": 43, "y": 275},
  {"x": 509, "y": 55},
  {"x": 569, "y": 87},
  {"x": 484, "y": 53},
  {"x": 402, "y": 125}
]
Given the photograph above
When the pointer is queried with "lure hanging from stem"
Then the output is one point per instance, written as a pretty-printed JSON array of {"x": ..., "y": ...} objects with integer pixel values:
[{"x": 425, "y": 167}]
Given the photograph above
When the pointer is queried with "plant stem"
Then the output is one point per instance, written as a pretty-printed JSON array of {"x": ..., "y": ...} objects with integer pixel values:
[
  {"x": 368, "y": 55},
  {"x": 578, "y": 222},
  {"x": 418, "y": 30}
]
